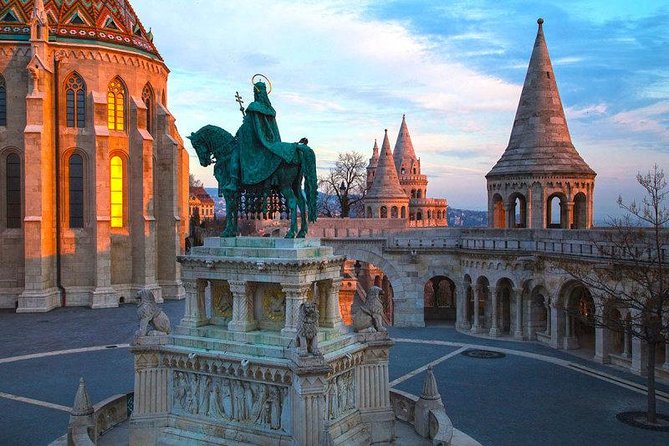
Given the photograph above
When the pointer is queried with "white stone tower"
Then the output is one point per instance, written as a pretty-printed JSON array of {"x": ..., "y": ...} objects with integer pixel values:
[{"x": 540, "y": 169}]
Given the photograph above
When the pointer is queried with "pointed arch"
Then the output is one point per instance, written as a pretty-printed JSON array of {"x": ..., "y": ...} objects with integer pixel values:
[
  {"x": 148, "y": 98},
  {"x": 117, "y": 173},
  {"x": 13, "y": 192},
  {"x": 116, "y": 104},
  {"x": 75, "y": 101}
]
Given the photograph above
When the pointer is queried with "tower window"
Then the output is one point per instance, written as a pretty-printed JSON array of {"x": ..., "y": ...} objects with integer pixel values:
[
  {"x": 116, "y": 105},
  {"x": 13, "y": 190},
  {"x": 76, "y": 191},
  {"x": 75, "y": 98},
  {"x": 3, "y": 101},
  {"x": 147, "y": 98},
  {"x": 116, "y": 188}
]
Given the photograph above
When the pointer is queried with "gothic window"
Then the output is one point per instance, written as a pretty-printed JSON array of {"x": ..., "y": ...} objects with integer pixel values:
[
  {"x": 13, "y": 190},
  {"x": 75, "y": 98},
  {"x": 116, "y": 188},
  {"x": 3, "y": 101},
  {"x": 116, "y": 105},
  {"x": 147, "y": 98},
  {"x": 76, "y": 191}
]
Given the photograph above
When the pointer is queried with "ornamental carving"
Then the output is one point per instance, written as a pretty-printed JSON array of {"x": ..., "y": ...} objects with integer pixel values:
[
  {"x": 340, "y": 395},
  {"x": 221, "y": 299},
  {"x": 264, "y": 406},
  {"x": 274, "y": 303}
]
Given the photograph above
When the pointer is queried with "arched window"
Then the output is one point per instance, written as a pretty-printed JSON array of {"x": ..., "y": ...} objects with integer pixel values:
[
  {"x": 384, "y": 212},
  {"x": 116, "y": 188},
  {"x": 13, "y": 190},
  {"x": 419, "y": 215},
  {"x": 116, "y": 105},
  {"x": 76, "y": 191},
  {"x": 3, "y": 101},
  {"x": 147, "y": 98},
  {"x": 404, "y": 212},
  {"x": 75, "y": 99}
]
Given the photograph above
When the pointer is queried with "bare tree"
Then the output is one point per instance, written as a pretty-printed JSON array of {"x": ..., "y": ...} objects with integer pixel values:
[
  {"x": 634, "y": 275},
  {"x": 193, "y": 182},
  {"x": 347, "y": 181}
]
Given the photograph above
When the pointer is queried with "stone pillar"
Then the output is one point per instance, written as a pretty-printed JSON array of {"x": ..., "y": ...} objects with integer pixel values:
[
  {"x": 518, "y": 296},
  {"x": 476, "y": 326},
  {"x": 308, "y": 417},
  {"x": 602, "y": 340},
  {"x": 194, "y": 314},
  {"x": 639, "y": 356},
  {"x": 152, "y": 402},
  {"x": 332, "y": 315},
  {"x": 372, "y": 387},
  {"x": 295, "y": 295},
  {"x": 665, "y": 366},
  {"x": 461, "y": 320},
  {"x": 494, "y": 329},
  {"x": 568, "y": 215},
  {"x": 510, "y": 212},
  {"x": 554, "y": 326},
  {"x": 242, "y": 307},
  {"x": 627, "y": 345}
]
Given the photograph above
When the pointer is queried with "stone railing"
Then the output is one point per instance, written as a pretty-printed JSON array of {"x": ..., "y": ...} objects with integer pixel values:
[
  {"x": 428, "y": 202},
  {"x": 440, "y": 426}
]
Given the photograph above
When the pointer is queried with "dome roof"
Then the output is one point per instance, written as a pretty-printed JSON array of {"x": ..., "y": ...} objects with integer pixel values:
[{"x": 111, "y": 23}]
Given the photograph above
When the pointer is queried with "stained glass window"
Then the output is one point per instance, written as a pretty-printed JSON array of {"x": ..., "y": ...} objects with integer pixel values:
[
  {"x": 116, "y": 188},
  {"x": 13, "y": 191},
  {"x": 76, "y": 189},
  {"x": 116, "y": 105},
  {"x": 75, "y": 98}
]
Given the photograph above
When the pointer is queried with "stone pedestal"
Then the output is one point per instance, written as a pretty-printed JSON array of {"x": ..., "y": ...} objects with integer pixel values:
[{"x": 231, "y": 373}]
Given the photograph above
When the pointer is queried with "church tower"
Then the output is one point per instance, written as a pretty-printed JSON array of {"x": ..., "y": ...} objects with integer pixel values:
[
  {"x": 386, "y": 198},
  {"x": 373, "y": 163},
  {"x": 86, "y": 143},
  {"x": 540, "y": 181}
]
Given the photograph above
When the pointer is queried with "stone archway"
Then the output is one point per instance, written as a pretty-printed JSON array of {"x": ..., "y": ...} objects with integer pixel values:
[
  {"x": 481, "y": 305},
  {"x": 579, "y": 308},
  {"x": 539, "y": 314},
  {"x": 498, "y": 217},
  {"x": 517, "y": 206},
  {"x": 557, "y": 215},
  {"x": 439, "y": 299},
  {"x": 580, "y": 211}
]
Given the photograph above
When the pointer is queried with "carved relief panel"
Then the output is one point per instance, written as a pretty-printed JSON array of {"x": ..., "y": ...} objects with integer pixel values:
[
  {"x": 340, "y": 395},
  {"x": 250, "y": 403},
  {"x": 221, "y": 302},
  {"x": 270, "y": 306}
]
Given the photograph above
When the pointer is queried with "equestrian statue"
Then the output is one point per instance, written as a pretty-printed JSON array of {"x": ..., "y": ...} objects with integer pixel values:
[{"x": 257, "y": 173}]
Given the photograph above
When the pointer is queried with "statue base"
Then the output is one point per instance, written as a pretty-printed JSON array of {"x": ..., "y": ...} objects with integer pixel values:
[{"x": 232, "y": 372}]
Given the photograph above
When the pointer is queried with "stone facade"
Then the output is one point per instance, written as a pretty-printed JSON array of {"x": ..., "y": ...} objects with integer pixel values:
[
  {"x": 540, "y": 169},
  {"x": 200, "y": 205},
  {"x": 83, "y": 113}
]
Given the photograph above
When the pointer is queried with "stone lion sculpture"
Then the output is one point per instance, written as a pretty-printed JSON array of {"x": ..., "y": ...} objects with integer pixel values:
[
  {"x": 368, "y": 315},
  {"x": 152, "y": 320},
  {"x": 307, "y": 329}
]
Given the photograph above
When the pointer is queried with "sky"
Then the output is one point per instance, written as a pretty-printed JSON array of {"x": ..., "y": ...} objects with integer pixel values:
[{"x": 343, "y": 71}]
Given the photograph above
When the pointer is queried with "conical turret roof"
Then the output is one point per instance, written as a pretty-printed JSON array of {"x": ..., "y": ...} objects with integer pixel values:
[
  {"x": 540, "y": 142},
  {"x": 374, "y": 160},
  {"x": 82, "y": 403},
  {"x": 403, "y": 147},
  {"x": 386, "y": 183}
]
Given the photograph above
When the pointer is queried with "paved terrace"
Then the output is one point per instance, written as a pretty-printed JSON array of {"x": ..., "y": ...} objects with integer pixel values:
[{"x": 532, "y": 395}]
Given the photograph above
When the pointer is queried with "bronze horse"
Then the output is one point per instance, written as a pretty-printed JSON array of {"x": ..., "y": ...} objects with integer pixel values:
[{"x": 214, "y": 144}]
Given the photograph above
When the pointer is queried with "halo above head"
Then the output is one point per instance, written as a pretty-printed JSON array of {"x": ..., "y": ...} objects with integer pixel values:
[{"x": 261, "y": 76}]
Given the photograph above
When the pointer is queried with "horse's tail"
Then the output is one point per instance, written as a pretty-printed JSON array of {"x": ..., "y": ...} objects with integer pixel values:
[{"x": 310, "y": 181}]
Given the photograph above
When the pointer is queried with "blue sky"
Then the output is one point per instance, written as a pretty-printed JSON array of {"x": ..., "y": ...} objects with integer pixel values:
[{"x": 343, "y": 71}]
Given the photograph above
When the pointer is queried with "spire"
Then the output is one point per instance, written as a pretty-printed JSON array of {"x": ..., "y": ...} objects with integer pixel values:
[
  {"x": 403, "y": 147},
  {"x": 374, "y": 160},
  {"x": 386, "y": 183},
  {"x": 39, "y": 13},
  {"x": 430, "y": 390},
  {"x": 82, "y": 404},
  {"x": 540, "y": 140}
]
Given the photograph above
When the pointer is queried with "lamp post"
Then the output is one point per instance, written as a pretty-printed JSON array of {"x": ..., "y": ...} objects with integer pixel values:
[{"x": 343, "y": 200}]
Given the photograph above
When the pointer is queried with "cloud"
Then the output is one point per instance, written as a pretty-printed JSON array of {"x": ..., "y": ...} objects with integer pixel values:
[
  {"x": 653, "y": 118},
  {"x": 567, "y": 60},
  {"x": 586, "y": 111}
]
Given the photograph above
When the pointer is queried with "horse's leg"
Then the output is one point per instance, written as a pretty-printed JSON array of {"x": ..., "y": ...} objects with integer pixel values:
[
  {"x": 301, "y": 202},
  {"x": 229, "y": 208},
  {"x": 291, "y": 201}
]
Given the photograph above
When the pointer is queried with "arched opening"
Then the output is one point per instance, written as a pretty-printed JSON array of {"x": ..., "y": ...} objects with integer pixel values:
[
  {"x": 394, "y": 212},
  {"x": 498, "y": 218},
  {"x": 439, "y": 299},
  {"x": 384, "y": 212},
  {"x": 469, "y": 302},
  {"x": 539, "y": 314},
  {"x": 404, "y": 212},
  {"x": 419, "y": 215},
  {"x": 518, "y": 211},
  {"x": 369, "y": 212},
  {"x": 617, "y": 332},
  {"x": 556, "y": 211},
  {"x": 580, "y": 211},
  {"x": 358, "y": 277},
  {"x": 429, "y": 214},
  {"x": 419, "y": 193},
  {"x": 504, "y": 289},
  {"x": 413, "y": 193},
  {"x": 578, "y": 328}
]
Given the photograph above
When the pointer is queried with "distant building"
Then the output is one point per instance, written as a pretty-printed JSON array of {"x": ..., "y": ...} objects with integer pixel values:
[
  {"x": 200, "y": 205},
  {"x": 396, "y": 188},
  {"x": 93, "y": 172}
]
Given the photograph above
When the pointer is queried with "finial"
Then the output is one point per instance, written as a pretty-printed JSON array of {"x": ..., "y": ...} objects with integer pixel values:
[
  {"x": 540, "y": 21},
  {"x": 386, "y": 130},
  {"x": 403, "y": 115}
]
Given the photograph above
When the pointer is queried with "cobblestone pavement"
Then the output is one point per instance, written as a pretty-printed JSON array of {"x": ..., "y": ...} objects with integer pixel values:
[{"x": 533, "y": 395}]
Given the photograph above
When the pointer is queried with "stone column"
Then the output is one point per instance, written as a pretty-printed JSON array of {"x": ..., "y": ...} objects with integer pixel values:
[
  {"x": 518, "y": 296},
  {"x": 494, "y": 329},
  {"x": 295, "y": 295},
  {"x": 194, "y": 314},
  {"x": 568, "y": 215},
  {"x": 665, "y": 366},
  {"x": 547, "y": 309},
  {"x": 332, "y": 315},
  {"x": 639, "y": 356},
  {"x": 475, "y": 327},
  {"x": 626, "y": 341},
  {"x": 461, "y": 320},
  {"x": 243, "y": 318},
  {"x": 554, "y": 325},
  {"x": 602, "y": 340}
]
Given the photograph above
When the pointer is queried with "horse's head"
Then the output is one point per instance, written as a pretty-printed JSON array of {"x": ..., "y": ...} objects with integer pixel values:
[{"x": 210, "y": 142}]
